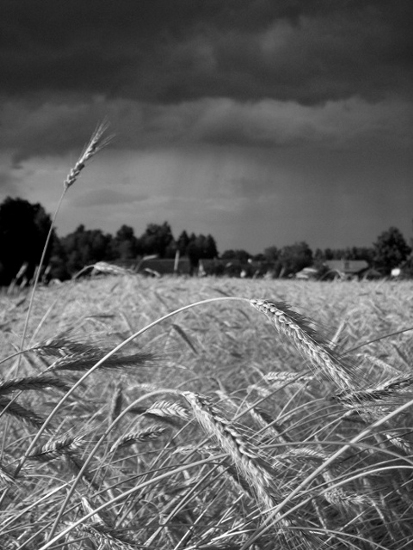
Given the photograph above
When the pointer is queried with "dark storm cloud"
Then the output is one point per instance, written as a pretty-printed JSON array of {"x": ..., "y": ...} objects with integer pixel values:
[
  {"x": 53, "y": 128},
  {"x": 169, "y": 51}
]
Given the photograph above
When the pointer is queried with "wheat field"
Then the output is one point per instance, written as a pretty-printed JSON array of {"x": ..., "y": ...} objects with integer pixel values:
[{"x": 218, "y": 427}]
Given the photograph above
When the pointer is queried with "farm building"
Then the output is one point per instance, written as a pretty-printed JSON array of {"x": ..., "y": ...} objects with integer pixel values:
[{"x": 347, "y": 269}]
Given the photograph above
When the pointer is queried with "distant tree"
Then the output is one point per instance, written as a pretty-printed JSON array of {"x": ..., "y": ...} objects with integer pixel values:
[
  {"x": 156, "y": 239},
  {"x": 240, "y": 255},
  {"x": 271, "y": 254},
  {"x": 125, "y": 246},
  {"x": 390, "y": 250},
  {"x": 182, "y": 242},
  {"x": 329, "y": 254},
  {"x": 319, "y": 255},
  {"x": 210, "y": 248},
  {"x": 355, "y": 253},
  {"x": 192, "y": 251},
  {"x": 260, "y": 257},
  {"x": 86, "y": 247},
  {"x": 200, "y": 247},
  {"x": 349, "y": 253},
  {"x": 203, "y": 247},
  {"x": 295, "y": 257},
  {"x": 58, "y": 261},
  {"x": 228, "y": 255},
  {"x": 171, "y": 249},
  {"x": 363, "y": 253},
  {"x": 23, "y": 231}
]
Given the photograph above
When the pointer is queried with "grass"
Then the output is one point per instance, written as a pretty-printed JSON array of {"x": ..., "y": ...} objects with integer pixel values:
[{"x": 210, "y": 429}]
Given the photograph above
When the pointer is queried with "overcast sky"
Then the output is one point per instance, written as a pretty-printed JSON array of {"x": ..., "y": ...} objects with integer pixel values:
[{"x": 262, "y": 122}]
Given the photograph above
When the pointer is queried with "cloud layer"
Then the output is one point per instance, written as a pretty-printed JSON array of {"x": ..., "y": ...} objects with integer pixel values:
[
  {"x": 231, "y": 116},
  {"x": 56, "y": 128},
  {"x": 161, "y": 51}
]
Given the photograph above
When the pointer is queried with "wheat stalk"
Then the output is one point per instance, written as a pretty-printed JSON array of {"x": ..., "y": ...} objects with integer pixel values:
[{"x": 96, "y": 143}]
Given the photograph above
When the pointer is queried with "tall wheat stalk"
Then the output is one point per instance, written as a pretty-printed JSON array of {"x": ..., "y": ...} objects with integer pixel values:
[{"x": 97, "y": 142}]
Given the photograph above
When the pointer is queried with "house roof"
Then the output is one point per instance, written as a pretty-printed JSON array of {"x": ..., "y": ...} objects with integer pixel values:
[{"x": 347, "y": 266}]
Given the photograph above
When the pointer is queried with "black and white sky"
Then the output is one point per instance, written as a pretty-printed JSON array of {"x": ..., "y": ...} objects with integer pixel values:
[{"x": 263, "y": 122}]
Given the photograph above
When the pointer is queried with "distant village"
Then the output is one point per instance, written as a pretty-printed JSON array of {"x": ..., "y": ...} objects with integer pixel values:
[
  {"x": 24, "y": 228},
  {"x": 327, "y": 270}
]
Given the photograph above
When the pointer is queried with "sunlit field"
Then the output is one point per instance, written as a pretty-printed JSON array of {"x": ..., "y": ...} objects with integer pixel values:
[{"x": 219, "y": 427}]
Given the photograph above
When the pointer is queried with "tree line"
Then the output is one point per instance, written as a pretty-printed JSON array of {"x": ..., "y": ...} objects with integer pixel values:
[
  {"x": 24, "y": 226},
  {"x": 390, "y": 250}
]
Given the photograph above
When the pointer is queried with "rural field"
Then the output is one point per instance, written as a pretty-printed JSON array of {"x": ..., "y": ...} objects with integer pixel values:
[{"x": 229, "y": 425}]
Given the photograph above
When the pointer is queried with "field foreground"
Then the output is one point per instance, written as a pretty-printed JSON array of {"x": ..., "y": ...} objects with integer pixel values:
[{"x": 230, "y": 425}]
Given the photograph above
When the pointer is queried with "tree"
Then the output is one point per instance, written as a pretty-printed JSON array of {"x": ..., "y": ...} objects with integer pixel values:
[
  {"x": 201, "y": 248},
  {"x": 125, "y": 245},
  {"x": 182, "y": 242},
  {"x": 192, "y": 251},
  {"x": 171, "y": 250},
  {"x": 260, "y": 257},
  {"x": 271, "y": 254},
  {"x": 210, "y": 250},
  {"x": 23, "y": 231},
  {"x": 156, "y": 239},
  {"x": 58, "y": 262},
  {"x": 295, "y": 257},
  {"x": 390, "y": 250},
  {"x": 329, "y": 254},
  {"x": 86, "y": 247},
  {"x": 362, "y": 253}
]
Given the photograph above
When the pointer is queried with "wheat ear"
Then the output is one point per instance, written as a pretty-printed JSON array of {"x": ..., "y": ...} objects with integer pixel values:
[
  {"x": 55, "y": 449},
  {"x": 95, "y": 144},
  {"x": 256, "y": 471},
  {"x": 232, "y": 442},
  {"x": 142, "y": 436},
  {"x": 311, "y": 345},
  {"x": 8, "y": 406},
  {"x": 37, "y": 383}
]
